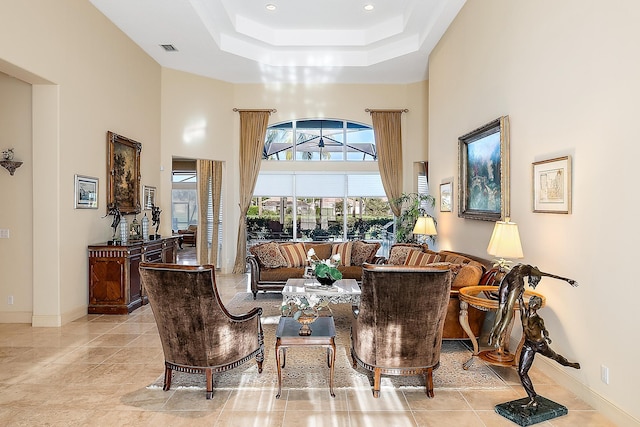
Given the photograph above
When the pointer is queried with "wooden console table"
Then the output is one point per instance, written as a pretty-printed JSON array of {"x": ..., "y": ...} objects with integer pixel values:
[{"x": 114, "y": 280}]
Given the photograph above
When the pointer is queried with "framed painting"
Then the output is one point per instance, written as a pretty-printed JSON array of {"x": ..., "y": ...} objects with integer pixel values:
[
  {"x": 123, "y": 172},
  {"x": 446, "y": 197},
  {"x": 148, "y": 197},
  {"x": 483, "y": 172},
  {"x": 86, "y": 189},
  {"x": 552, "y": 185}
]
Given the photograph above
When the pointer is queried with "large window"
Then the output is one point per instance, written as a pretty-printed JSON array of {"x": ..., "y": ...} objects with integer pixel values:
[
  {"x": 314, "y": 206},
  {"x": 319, "y": 140}
]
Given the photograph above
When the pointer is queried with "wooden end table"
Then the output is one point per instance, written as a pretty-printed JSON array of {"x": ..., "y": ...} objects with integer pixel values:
[
  {"x": 323, "y": 334},
  {"x": 478, "y": 297}
]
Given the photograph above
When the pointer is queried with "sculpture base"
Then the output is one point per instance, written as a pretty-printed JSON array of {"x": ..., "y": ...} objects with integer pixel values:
[{"x": 516, "y": 412}]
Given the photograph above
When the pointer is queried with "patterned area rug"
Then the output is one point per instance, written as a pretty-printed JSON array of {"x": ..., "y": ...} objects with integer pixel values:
[{"x": 307, "y": 368}]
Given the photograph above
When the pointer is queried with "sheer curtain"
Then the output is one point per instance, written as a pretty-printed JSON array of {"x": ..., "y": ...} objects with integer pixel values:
[
  {"x": 387, "y": 126},
  {"x": 209, "y": 177},
  {"x": 253, "y": 128}
]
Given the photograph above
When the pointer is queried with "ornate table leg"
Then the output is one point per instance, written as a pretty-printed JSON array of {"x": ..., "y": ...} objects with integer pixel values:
[
  {"x": 463, "y": 318},
  {"x": 279, "y": 368},
  {"x": 332, "y": 366}
]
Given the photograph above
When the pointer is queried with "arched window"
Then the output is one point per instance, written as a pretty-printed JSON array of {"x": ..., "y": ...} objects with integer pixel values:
[{"x": 319, "y": 140}]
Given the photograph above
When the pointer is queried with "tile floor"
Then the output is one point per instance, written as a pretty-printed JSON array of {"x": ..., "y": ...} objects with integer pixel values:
[{"x": 94, "y": 372}]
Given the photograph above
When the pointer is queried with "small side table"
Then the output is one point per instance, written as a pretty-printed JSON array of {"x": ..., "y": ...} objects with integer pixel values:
[
  {"x": 478, "y": 297},
  {"x": 323, "y": 334}
]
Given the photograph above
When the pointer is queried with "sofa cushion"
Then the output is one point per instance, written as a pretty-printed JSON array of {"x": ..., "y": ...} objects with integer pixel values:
[
  {"x": 362, "y": 252},
  {"x": 322, "y": 249},
  {"x": 281, "y": 274},
  {"x": 463, "y": 274},
  {"x": 268, "y": 255},
  {"x": 295, "y": 254},
  {"x": 399, "y": 252},
  {"x": 344, "y": 249},
  {"x": 351, "y": 272},
  {"x": 421, "y": 258}
]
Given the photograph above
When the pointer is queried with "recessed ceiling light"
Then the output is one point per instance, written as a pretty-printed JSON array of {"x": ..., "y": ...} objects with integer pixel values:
[
  {"x": 271, "y": 6},
  {"x": 368, "y": 7}
]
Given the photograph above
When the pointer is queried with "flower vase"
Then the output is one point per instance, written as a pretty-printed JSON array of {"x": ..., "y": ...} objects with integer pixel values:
[
  {"x": 327, "y": 282},
  {"x": 306, "y": 318}
]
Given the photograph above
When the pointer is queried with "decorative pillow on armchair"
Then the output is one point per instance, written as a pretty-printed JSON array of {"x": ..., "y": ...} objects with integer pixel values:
[
  {"x": 269, "y": 255},
  {"x": 362, "y": 252}
]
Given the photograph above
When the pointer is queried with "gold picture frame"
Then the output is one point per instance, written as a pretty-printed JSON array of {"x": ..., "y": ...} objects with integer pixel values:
[
  {"x": 483, "y": 172},
  {"x": 551, "y": 182},
  {"x": 123, "y": 173}
]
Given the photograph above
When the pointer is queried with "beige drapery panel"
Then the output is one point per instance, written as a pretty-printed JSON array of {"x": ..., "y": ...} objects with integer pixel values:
[
  {"x": 387, "y": 126},
  {"x": 253, "y": 128},
  {"x": 209, "y": 177}
]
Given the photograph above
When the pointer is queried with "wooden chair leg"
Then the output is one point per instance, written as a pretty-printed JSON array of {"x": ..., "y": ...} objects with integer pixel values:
[
  {"x": 376, "y": 382},
  {"x": 428, "y": 377},
  {"x": 167, "y": 378},
  {"x": 209, "y": 374}
]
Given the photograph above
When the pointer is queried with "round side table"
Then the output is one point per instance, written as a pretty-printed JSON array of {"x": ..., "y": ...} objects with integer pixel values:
[{"x": 485, "y": 298}]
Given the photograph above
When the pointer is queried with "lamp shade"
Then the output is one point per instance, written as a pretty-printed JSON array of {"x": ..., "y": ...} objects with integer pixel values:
[
  {"x": 425, "y": 225},
  {"x": 505, "y": 240}
]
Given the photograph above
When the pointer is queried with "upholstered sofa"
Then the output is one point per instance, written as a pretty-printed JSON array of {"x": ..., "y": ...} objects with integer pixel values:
[
  {"x": 272, "y": 263},
  {"x": 468, "y": 270}
]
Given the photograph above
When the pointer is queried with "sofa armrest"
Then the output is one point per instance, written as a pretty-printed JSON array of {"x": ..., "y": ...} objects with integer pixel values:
[{"x": 254, "y": 274}]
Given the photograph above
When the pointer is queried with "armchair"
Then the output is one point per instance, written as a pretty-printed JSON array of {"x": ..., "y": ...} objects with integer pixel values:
[
  {"x": 398, "y": 329},
  {"x": 189, "y": 234},
  {"x": 198, "y": 334}
]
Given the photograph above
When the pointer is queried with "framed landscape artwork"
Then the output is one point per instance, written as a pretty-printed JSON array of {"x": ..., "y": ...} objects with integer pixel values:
[
  {"x": 552, "y": 185},
  {"x": 86, "y": 189},
  {"x": 123, "y": 173},
  {"x": 446, "y": 197},
  {"x": 483, "y": 172}
]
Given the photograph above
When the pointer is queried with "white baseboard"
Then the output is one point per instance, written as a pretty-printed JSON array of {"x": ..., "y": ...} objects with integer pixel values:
[
  {"x": 15, "y": 317},
  {"x": 52, "y": 321},
  {"x": 599, "y": 403}
]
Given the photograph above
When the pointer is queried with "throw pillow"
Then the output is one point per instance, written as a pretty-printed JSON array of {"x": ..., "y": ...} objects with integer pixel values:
[
  {"x": 399, "y": 252},
  {"x": 420, "y": 258},
  {"x": 294, "y": 254},
  {"x": 362, "y": 252},
  {"x": 269, "y": 255},
  {"x": 344, "y": 249}
]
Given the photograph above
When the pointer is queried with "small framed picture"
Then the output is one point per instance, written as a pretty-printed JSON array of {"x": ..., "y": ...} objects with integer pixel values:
[
  {"x": 148, "y": 197},
  {"x": 86, "y": 189},
  {"x": 446, "y": 199},
  {"x": 552, "y": 185}
]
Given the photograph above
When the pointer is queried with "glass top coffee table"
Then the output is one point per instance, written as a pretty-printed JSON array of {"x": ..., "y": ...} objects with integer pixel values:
[
  {"x": 323, "y": 334},
  {"x": 343, "y": 291}
]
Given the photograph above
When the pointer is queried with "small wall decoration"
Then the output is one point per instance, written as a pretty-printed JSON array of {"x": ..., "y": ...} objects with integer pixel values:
[
  {"x": 552, "y": 185},
  {"x": 86, "y": 189},
  {"x": 446, "y": 197},
  {"x": 123, "y": 172},
  {"x": 483, "y": 164},
  {"x": 148, "y": 197}
]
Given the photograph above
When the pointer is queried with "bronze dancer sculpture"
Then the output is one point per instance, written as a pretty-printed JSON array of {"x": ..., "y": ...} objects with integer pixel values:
[
  {"x": 511, "y": 289},
  {"x": 155, "y": 218},
  {"x": 113, "y": 210},
  {"x": 536, "y": 341}
]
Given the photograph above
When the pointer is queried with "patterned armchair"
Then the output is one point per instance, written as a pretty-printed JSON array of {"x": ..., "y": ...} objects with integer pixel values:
[
  {"x": 398, "y": 329},
  {"x": 198, "y": 334}
]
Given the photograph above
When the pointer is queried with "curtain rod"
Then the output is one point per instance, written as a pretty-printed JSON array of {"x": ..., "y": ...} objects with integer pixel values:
[
  {"x": 270, "y": 110},
  {"x": 371, "y": 110}
]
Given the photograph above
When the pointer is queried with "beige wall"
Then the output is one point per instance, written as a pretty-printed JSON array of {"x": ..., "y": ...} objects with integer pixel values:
[
  {"x": 198, "y": 122},
  {"x": 567, "y": 75},
  {"x": 89, "y": 78},
  {"x": 16, "y": 206}
]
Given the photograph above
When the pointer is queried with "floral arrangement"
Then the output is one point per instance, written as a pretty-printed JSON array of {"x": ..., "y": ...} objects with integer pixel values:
[{"x": 324, "y": 269}]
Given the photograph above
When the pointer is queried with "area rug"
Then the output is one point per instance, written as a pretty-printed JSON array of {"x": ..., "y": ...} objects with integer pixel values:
[{"x": 307, "y": 368}]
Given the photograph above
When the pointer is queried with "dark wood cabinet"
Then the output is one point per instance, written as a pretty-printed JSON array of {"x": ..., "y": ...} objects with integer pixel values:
[{"x": 114, "y": 279}]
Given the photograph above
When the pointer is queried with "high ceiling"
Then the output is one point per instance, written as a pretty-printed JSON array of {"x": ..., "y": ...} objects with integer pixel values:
[{"x": 301, "y": 41}]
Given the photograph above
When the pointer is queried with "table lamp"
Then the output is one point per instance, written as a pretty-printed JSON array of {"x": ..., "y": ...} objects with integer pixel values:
[
  {"x": 425, "y": 226},
  {"x": 505, "y": 243}
]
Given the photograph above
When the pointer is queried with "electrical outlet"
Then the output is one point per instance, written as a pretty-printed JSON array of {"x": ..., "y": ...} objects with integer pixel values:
[
  {"x": 10, "y": 300},
  {"x": 604, "y": 374},
  {"x": 4, "y": 233}
]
